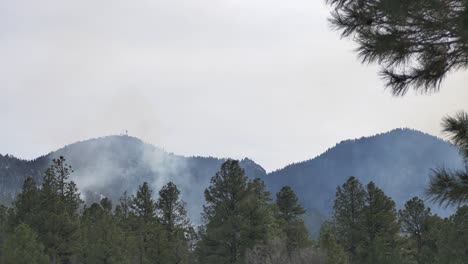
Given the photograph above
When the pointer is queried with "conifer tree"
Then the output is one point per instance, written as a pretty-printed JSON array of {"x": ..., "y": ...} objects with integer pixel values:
[
  {"x": 102, "y": 239},
  {"x": 150, "y": 238},
  {"x": 26, "y": 204},
  {"x": 4, "y": 225},
  {"x": 230, "y": 225},
  {"x": 328, "y": 244},
  {"x": 416, "y": 42},
  {"x": 58, "y": 225},
  {"x": 348, "y": 213},
  {"x": 381, "y": 228},
  {"x": 174, "y": 220},
  {"x": 293, "y": 226},
  {"x": 262, "y": 227},
  {"x": 415, "y": 217},
  {"x": 23, "y": 247}
]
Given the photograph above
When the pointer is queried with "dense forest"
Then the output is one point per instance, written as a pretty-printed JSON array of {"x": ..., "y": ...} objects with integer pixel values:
[
  {"x": 242, "y": 223},
  {"x": 397, "y": 161}
]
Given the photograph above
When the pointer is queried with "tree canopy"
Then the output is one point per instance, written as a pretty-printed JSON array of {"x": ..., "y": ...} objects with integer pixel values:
[{"x": 416, "y": 42}]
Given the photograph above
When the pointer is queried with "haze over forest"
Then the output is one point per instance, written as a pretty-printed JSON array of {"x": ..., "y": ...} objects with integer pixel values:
[
  {"x": 234, "y": 132},
  {"x": 262, "y": 79}
]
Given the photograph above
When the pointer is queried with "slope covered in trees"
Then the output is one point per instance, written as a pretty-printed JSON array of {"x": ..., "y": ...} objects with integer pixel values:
[
  {"x": 242, "y": 224},
  {"x": 399, "y": 161}
]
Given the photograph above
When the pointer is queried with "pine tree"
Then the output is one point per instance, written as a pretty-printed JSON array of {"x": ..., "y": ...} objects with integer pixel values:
[
  {"x": 415, "y": 219},
  {"x": 290, "y": 211},
  {"x": 417, "y": 42},
  {"x": 143, "y": 204},
  {"x": 150, "y": 236},
  {"x": 58, "y": 224},
  {"x": 328, "y": 243},
  {"x": 171, "y": 209},
  {"x": 452, "y": 237},
  {"x": 26, "y": 204},
  {"x": 450, "y": 187},
  {"x": 4, "y": 225},
  {"x": 23, "y": 247},
  {"x": 381, "y": 228},
  {"x": 102, "y": 240},
  {"x": 262, "y": 227},
  {"x": 348, "y": 213},
  {"x": 288, "y": 204},
  {"x": 174, "y": 219},
  {"x": 229, "y": 230}
]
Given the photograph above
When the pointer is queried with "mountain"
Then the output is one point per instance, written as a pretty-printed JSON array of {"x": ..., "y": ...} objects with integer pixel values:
[
  {"x": 109, "y": 166},
  {"x": 398, "y": 161}
]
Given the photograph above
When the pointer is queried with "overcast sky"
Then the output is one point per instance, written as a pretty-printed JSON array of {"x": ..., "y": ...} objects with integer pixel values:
[{"x": 265, "y": 79}]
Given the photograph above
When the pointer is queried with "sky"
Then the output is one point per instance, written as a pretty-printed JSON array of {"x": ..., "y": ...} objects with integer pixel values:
[{"x": 264, "y": 79}]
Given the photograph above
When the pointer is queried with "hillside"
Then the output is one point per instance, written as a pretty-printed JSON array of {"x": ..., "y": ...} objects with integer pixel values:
[
  {"x": 111, "y": 165},
  {"x": 399, "y": 162}
]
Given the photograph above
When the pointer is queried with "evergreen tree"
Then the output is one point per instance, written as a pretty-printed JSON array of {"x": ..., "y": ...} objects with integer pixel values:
[
  {"x": 143, "y": 204},
  {"x": 288, "y": 204},
  {"x": 380, "y": 244},
  {"x": 150, "y": 238},
  {"x": 23, "y": 247},
  {"x": 415, "y": 219},
  {"x": 417, "y": 42},
  {"x": 228, "y": 231},
  {"x": 58, "y": 224},
  {"x": 171, "y": 209},
  {"x": 451, "y": 236},
  {"x": 26, "y": 204},
  {"x": 328, "y": 243},
  {"x": 262, "y": 227},
  {"x": 290, "y": 211},
  {"x": 174, "y": 219},
  {"x": 4, "y": 219},
  {"x": 127, "y": 222},
  {"x": 348, "y": 215},
  {"x": 447, "y": 186},
  {"x": 102, "y": 239}
]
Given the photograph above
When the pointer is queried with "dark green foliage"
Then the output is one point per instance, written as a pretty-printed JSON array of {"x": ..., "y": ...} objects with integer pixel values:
[
  {"x": 102, "y": 240},
  {"x": 415, "y": 219},
  {"x": 146, "y": 227},
  {"x": 399, "y": 155},
  {"x": 232, "y": 223},
  {"x": 381, "y": 228},
  {"x": 416, "y": 42},
  {"x": 289, "y": 213},
  {"x": 328, "y": 243},
  {"x": 288, "y": 204},
  {"x": 452, "y": 238},
  {"x": 348, "y": 215},
  {"x": 47, "y": 224},
  {"x": 58, "y": 221},
  {"x": 450, "y": 187},
  {"x": 366, "y": 224},
  {"x": 23, "y": 247},
  {"x": 171, "y": 209},
  {"x": 175, "y": 222}
]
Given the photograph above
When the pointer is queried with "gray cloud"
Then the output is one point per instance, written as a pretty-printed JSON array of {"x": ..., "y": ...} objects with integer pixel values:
[{"x": 263, "y": 79}]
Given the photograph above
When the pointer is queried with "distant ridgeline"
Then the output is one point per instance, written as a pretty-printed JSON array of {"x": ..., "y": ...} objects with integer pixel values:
[{"x": 398, "y": 161}]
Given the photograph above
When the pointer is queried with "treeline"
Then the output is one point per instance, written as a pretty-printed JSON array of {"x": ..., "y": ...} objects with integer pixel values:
[
  {"x": 366, "y": 229},
  {"x": 241, "y": 225}
]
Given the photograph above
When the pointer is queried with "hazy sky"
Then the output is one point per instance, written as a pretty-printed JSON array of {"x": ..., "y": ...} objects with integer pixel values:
[{"x": 266, "y": 79}]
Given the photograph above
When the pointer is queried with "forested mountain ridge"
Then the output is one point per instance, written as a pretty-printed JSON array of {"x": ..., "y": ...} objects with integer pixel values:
[
  {"x": 109, "y": 166},
  {"x": 399, "y": 161}
]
